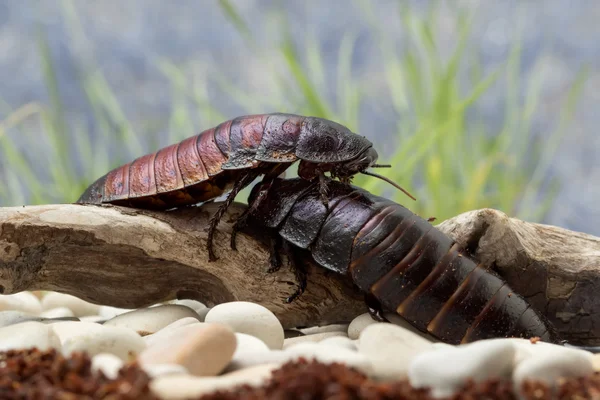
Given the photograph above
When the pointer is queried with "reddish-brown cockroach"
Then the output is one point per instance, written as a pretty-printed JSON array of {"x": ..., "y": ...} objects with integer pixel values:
[
  {"x": 399, "y": 260},
  {"x": 229, "y": 157}
]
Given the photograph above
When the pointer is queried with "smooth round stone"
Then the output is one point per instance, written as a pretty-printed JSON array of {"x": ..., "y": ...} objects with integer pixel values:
[
  {"x": 250, "y": 318},
  {"x": 390, "y": 349},
  {"x": 27, "y": 335},
  {"x": 253, "y": 359},
  {"x": 24, "y": 301},
  {"x": 108, "y": 312},
  {"x": 325, "y": 329},
  {"x": 58, "y": 312},
  {"x": 156, "y": 370},
  {"x": 549, "y": 366},
  {"x": 203, "y": 349},
  {"x": 249, "y": 351},
  {"x": 315, "y": 338},
  {"x": 93, "y": 318},
  {"x": 150, "y": 320},
  {"x": 526, "y": 349},
  {"x": 446, "y": 370},
  {"x": 202, "y": 314},
  {"x": 108, "y": 363},
  {"x": 15, "y": 317},
  {"x": 193, "y": 304},
  {"x": 183, "y": 387},
  {"x": 330, "y": 354},
  {"x": 596, "y": 362},
  {"x": 358, "y": 324},
  {"x": 122, "y": 342},
  {"x": 78, "y": 306},
  {"x": 68, "y": 329},
  {"x": 170, "y": 330},
  {"x": 340, "y": 341},
  {"x": 398, "y": 320}
]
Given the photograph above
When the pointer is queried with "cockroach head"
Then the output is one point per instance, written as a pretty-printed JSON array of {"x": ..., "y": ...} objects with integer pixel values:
[
  {"x": 367, "y": 159},
  {"x": 346, "y": 170}
]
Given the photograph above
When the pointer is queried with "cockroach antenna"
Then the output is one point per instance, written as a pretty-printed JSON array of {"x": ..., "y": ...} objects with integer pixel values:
[{"x": 387, "y": 180}]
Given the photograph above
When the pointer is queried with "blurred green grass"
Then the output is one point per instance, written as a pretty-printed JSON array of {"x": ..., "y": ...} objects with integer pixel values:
[{"x": 450, "y": 165}]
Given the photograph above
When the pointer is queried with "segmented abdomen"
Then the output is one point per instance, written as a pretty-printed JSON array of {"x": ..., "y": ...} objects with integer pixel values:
[
  {"x": 416, "y": 270},
  {"x": 200, "y": 167}
]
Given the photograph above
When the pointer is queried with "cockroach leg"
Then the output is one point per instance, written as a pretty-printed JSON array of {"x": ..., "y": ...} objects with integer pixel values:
[
  {"x": 323, "y": 188},
  {"x": 216, "y": 218},
  {"x": 299, "y": 269},
  {"x": 374, "y": 308},
  {"x": 274, "y": 256},
  {"x": 239, "y": 225},
  {"x": 243, "y": 218}
]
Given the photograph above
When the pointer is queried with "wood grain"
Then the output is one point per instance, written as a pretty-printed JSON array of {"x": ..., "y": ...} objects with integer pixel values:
[
  {"x": 557, "y": 270},
  {"x": 128, "y": 258}
]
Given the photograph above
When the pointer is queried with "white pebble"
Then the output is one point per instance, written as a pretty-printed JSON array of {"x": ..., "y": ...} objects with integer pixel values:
[
  {"x": 170, "y": 330},
  {"x": 22, "y": 301},
  {"x": 78, "y": 306},
  {"x": 314, "y": 330},
  {"x": 193, "y": 304},
  {"x": 203, "y": 349},
  {"x": 340, "y": 341},
  {"x": 150, "y": 320},
  {"x": 250, "y": 318},
  {"x": 27, "y": 335},
  {"x": 250, "y": 351},
  {"x": 67, "y": 329},
  {"x": 58, "y": 312},
  {"x": 202, "y": 314},
  {"x": 92, "y": 318},
  {"x": 398, "y": 320},
  {"x": 183, "y": 387},
  {"x": 446, "y": 370},
  {"x": 14, "y": 317},
  {"x": 313, "y": 338},
  {"x": 108, "y": 312},
  {"x": 156, "y": 370},
  {"x": 108, "y": 363},
  {"x": 391, "y": 349},
  {"x": 526, "y": 349},
  {"x": 122, "y": 342},
  {"x": 358, "y": 324},
  {"x": 549, "y": 365},
  {"x": 330, "y": 354}
]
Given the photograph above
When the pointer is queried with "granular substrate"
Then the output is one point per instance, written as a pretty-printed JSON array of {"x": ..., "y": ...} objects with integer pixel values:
[{"x": 41, "y": 375}]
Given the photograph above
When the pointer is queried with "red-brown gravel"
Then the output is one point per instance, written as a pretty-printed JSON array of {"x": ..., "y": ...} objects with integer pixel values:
[{"x": 40, "y": 375}]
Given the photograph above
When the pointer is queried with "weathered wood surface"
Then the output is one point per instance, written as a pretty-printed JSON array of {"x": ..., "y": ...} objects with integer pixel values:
[
  {"x": 556, "y": 269},
  {"x": 127, "y": 258}
]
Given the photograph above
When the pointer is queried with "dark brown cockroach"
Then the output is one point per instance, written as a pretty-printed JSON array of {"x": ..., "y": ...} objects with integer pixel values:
[
  {"x": 229, "y": 157},
  {"x": 399, "y": 260}
]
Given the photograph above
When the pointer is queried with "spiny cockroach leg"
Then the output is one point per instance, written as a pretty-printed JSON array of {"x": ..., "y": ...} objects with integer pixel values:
[
  {"x": 299, "y": 270},
  {"x": 323, "y": 188},
  {"x": 216, "y": 218},
  {"x": 243, "y": 218},
  {"x": 274, "y": 256}
]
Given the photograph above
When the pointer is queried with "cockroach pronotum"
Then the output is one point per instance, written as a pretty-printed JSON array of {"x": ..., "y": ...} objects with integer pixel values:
[
  {"x": 399, "y": 260},
  {"x": 229, "y": 157}
]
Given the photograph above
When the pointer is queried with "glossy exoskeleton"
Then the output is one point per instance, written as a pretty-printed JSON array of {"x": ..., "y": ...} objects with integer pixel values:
[
  {"x": 399, "y": 260},
  {"x": 229, "y": 157}
]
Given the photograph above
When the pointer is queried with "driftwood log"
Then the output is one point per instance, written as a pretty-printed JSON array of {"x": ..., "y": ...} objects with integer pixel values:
[
  {"x": 131, "y": 258},
  {"x": 555, "y": 269}
]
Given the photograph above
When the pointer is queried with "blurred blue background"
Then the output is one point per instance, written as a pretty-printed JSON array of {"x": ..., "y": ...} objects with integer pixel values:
[{"x": 133, "y": 43}]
